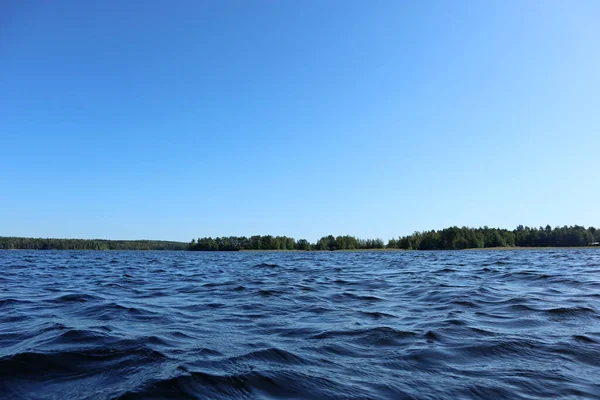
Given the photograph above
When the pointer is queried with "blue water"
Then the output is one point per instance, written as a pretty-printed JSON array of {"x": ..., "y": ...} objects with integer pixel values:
[{"x": 413, "y": 325}]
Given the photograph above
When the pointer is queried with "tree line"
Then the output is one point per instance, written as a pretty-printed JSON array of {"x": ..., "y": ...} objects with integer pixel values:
[
  {"x": 456, "y": 238},
  {"x": 453, "y": 238},
  {"x": 268, "y": 242},
  {"x": 20, "y": 243}
]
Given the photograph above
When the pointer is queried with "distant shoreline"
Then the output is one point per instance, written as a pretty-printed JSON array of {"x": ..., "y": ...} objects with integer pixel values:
[
  {"x": 452, "y": 238},
  {"x": 536, "y": 248},
  {"x": 409, "y": 251},
  {"x": 329, "y": 251}
]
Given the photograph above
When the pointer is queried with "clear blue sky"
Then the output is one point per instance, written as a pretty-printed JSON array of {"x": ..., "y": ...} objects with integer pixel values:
[{"x": 173, "y": 120}]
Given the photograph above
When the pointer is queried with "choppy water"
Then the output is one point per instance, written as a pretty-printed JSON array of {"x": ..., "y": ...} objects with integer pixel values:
[{"x": 426, "y": 325}]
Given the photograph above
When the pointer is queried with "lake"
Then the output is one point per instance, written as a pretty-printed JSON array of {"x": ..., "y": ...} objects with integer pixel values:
[{"x": 306, "y": 325}]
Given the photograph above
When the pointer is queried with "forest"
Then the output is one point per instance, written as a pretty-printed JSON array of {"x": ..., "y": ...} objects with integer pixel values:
[
  {"x": 453, "y": 238},
  {"x": 20, "y": 243},
  {"x": 268, "y": 242}
]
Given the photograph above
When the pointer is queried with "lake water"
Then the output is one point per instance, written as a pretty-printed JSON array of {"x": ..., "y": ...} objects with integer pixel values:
[{"x": 348, "y": 325}]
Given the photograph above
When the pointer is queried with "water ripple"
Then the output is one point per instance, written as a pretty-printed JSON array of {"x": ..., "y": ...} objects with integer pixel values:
[{"x": 348, "y": 325}]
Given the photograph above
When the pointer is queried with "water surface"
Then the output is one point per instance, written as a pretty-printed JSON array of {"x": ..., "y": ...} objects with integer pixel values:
[{"x": 414, "y": 325}]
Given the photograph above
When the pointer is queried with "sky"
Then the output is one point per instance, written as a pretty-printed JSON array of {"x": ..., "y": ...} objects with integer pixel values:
[{"x": 177, "y": 120}]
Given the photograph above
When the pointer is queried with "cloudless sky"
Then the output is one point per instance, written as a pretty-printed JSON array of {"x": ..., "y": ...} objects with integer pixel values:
[{"x": 181, "y": 119}]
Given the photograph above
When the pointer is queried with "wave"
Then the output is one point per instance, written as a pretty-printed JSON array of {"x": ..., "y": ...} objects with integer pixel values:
[
  {"x": 271, "y": 355},
  {"x": 376, "y": 314},
  {"x": 76, "y": 298},
  {"x": 584, "y": 339},
  {"x": 76, "y": 363},
  {"x": 311, "y": 325},
  {"x": 265, "y": 265},
  {"x": 10, "y": 302},
  {"x": 501, "y": 348},
  {"x": 352, "y": 296},
  {"x": 572, "y": 311},
  {"x": 258, "y": 384},
  {"x": 379, "y": 336}
]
